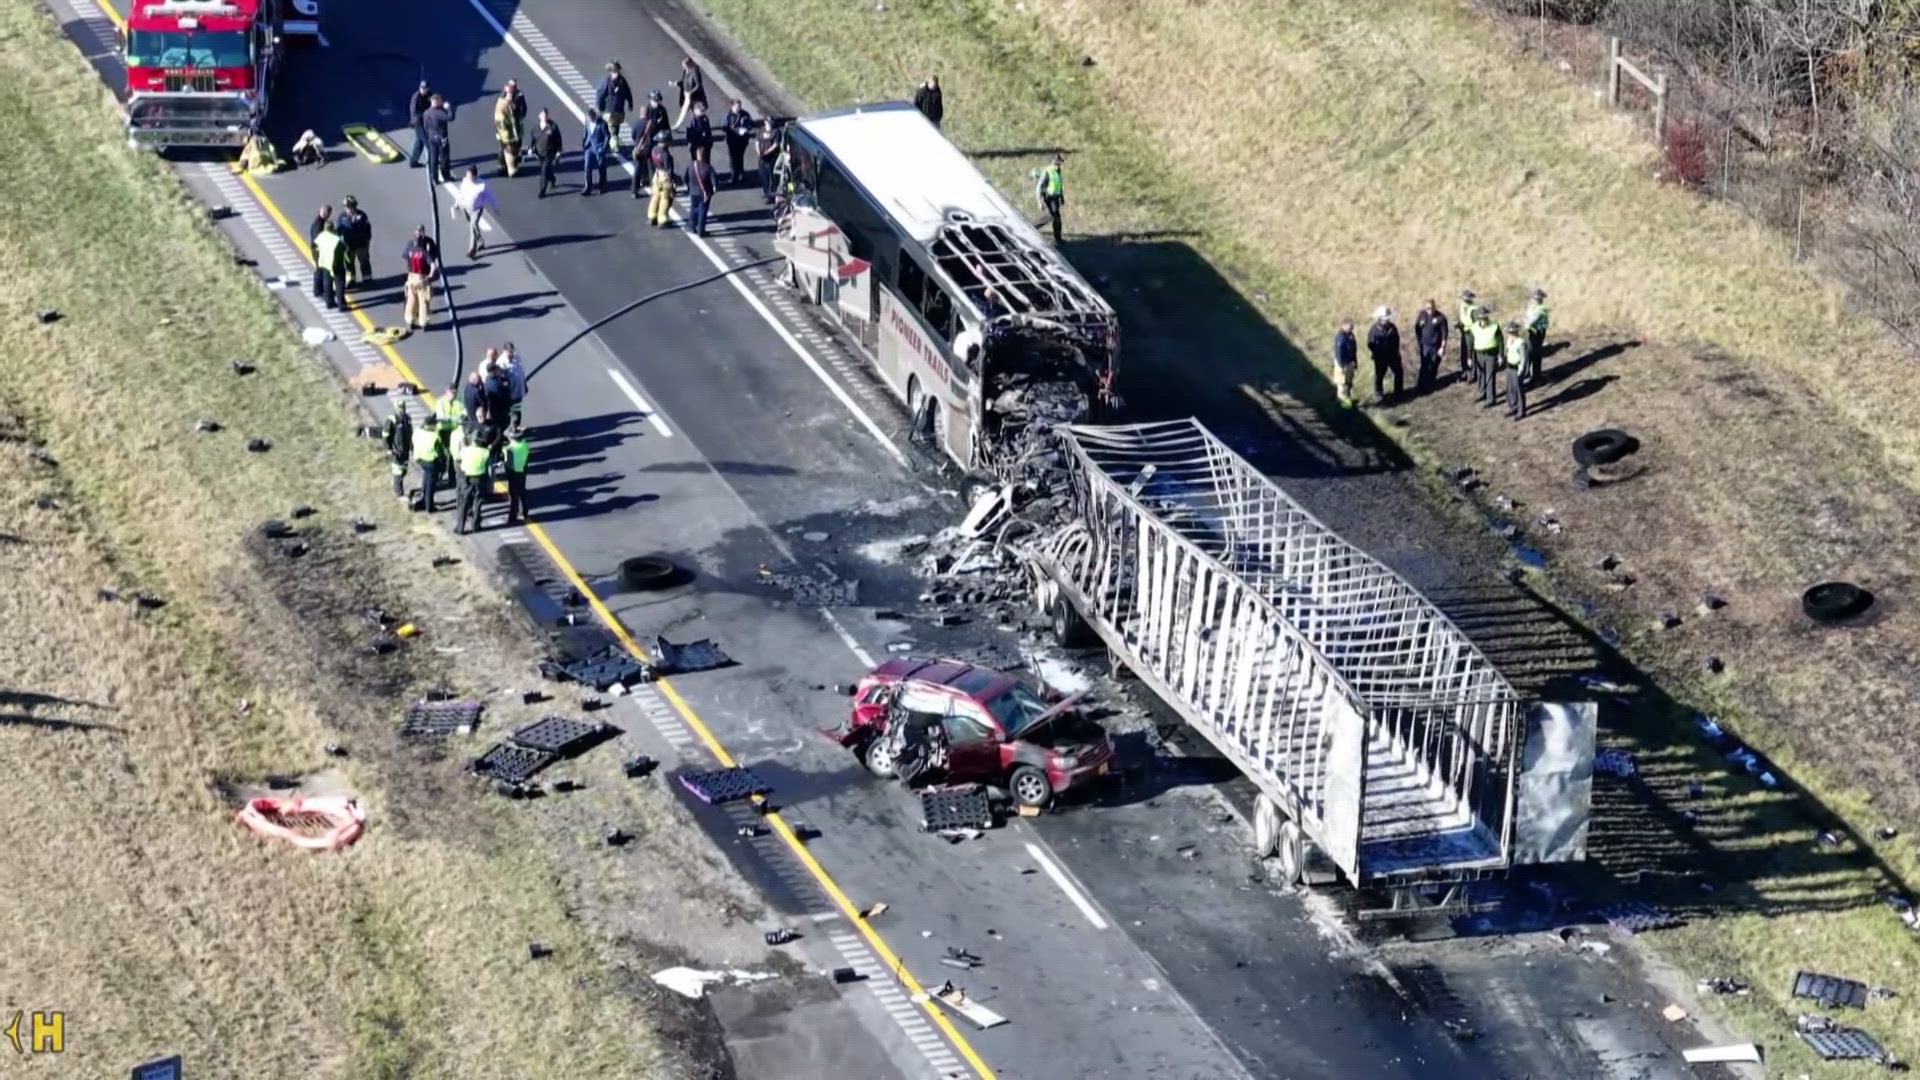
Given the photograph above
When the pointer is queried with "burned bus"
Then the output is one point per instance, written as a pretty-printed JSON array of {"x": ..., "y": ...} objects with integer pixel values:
[{"x": 986, "y": 334}]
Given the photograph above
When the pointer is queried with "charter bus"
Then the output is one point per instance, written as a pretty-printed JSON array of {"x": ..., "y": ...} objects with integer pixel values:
[{"x": 985, "y": 333}]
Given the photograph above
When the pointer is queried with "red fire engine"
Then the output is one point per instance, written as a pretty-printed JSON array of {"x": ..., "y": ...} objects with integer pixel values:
[{"x": 199, "y": 72}]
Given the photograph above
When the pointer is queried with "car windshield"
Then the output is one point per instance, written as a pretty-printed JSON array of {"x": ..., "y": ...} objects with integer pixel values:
[
  {"x": 1016, "y": 708},
  {"x": 187, "y": 49}
]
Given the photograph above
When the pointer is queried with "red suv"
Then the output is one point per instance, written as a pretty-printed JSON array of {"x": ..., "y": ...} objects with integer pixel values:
[{"x": 998, "y": 731}]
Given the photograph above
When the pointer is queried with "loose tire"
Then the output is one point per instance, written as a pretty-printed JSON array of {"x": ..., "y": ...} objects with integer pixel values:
[
  {"x": 1029, "y": 787},
  {"x": 1069, "y": 629},
  {"x": 1603, "y": 447},
  {"x": 645, "y": 573},
  {"x": 1835, "y": 601},
  {"x": 1290, "y": 856}
]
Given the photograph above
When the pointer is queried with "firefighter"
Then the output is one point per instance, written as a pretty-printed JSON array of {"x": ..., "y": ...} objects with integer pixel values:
[
  {"x": 1519, "y": 351},
  {"x": 428, "y": 451},
  {"x": 516, "y": 456},
  {"x": 329, "y": 263},
  {"x": 473, "y": 480},
  {"x": 1486, "y": 354},
  {"x": 660, "y": 209},
  {"x": 1536, "y": 331},
  {"x": 506, "y": 131},
  {"x": 397, "y": 435},
  {"x": 356, "y": 230},
  {"x": 653, "y": 128},
  {"x": 423, "y": 261},
  {"x": 1050, "y": 186},
  {"x": 1465, "y": 323}
]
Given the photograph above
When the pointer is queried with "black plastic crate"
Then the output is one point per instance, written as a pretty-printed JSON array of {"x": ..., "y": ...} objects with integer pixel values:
[
  {"x": 1844, "y": 1044},
  {"x": 432, "y": 719},
  {"x": 955, "y": 808},
  {"x": 1830, "y": 991},
  {"x": 512, "y": 764},
  {"x": 559, "y": 735},
  {"x": 723, "y": 785}
]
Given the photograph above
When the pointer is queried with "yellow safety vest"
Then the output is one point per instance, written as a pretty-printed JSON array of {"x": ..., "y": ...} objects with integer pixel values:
[
  {"x": 517, "y": 452},
  {"x": 1466, "y": 315},
  {"x": 426, "y": 446},
  {"x": 473, "y": 460},
  {"x": 1537, "y": 318},
  {"x": 1517, "y": 352},
  {"x": 1056, "y": 184},
  {"x": 450, "y": 411},
  {"x": 1486, "y": 336}
]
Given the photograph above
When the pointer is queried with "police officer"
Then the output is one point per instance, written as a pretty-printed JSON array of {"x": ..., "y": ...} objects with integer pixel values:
[
  {"x": 699, "y": 132},
  {"x": 739, "y": 131},
  {"x": 1051, "y": 187},
  {"x": 1518, "y": 349},
  {"x": 1465, "y": 323},
  {"x": 516, "y": 456},
  {"x": 547, "y": 147},
  {"x": 397, "y": 435},
  {"x": 1536, "y": 331},
  {"x": 473, "y": 479},
  {"x": 416, "y": 107},
  {"x": 428, "y": 450},
  {"x": 434, "y": 121},
  {"x": 356, "y": 230},
  {"x": 1486, "y": 354},
  {"x": 1430, "y": 335}
]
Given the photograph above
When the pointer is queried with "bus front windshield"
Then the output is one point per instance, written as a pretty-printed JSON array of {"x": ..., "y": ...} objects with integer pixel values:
[{"x": 188, "y": 49}]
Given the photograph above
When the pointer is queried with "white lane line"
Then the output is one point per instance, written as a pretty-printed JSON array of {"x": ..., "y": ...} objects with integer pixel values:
[
  {"x": 640, "y": 403},
  {"x": 454, "y": 211},
  {"x": 753, "y": 301},
  {"x": 840, "y": 629},
  {"x": 1067, "y": 886}
]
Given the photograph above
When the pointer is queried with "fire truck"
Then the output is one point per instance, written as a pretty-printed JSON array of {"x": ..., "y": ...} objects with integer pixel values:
[{"x": 199, "y": 72}]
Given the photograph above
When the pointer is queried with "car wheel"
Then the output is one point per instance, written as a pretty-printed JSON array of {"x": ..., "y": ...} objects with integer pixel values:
[
  {"x": 1029, "y": 787},
  {"x": 1835, "y": 601},
  {"x": 1069, "y": 629},
  {"x": 878, "y": 756}
]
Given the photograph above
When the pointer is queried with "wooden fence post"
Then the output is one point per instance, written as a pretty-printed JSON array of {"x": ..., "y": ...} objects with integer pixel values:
[
  {"x": 1660, "y": 110},
  {"x": 1613, "y": 73}
]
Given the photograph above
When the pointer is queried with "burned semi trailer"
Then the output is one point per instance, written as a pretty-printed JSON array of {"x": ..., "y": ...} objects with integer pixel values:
[{"x": 984, "y": 332}]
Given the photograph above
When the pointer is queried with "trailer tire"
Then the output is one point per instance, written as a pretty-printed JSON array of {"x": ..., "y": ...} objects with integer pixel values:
[
  {"x": 1835, "y": 601},
  {"x": 1029, "y": 787},
  {"x": 1266, "y": 827},
  {"x": 1071, "y": 631},
  {"x": 1290, "y": 856}
]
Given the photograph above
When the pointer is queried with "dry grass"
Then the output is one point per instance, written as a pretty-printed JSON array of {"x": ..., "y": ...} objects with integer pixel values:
[
  {"x": 1242, "y": 174},
  {"x": 131, "y": 899}
]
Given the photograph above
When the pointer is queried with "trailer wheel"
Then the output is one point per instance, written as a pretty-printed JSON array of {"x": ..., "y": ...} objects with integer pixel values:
[
  {"x": 1266, "y": 827},
  {"x": 1069, "y": 629},
  {"x": 1291, "y": 856},
  {"x": 1029, "y": 787}
]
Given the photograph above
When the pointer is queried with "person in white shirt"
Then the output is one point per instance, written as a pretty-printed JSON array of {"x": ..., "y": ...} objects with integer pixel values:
[
  {"x": 516, "y": 379},
  {"x": 473, "y": 199}
]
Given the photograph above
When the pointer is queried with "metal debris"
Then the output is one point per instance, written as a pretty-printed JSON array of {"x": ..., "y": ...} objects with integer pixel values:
[
  {"x": 1615, "y": 763},
  {"x": 258, "y": 445},
  {"x": 48, "y": 315},
  {"x": 240, "y": 367},
  {"x": 1830, "y": 991},
  {"x": 1723, "y": 984},
  {"x": 206, "y": 425},
  {"x": 701, "y": 655}
]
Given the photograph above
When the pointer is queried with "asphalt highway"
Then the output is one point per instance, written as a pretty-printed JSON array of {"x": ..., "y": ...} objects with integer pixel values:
[{"x": 722, "y": 427}]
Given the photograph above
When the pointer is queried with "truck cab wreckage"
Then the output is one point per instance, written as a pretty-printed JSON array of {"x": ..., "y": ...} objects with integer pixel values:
[{"x": 987, "y": 335}]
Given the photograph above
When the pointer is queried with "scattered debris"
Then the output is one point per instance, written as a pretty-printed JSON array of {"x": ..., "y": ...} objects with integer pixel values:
[
  {"x": 240, "y": 367},
  {"x": 618, "y": 837},
  {"x": 1882, "y": 993},
  {"x": 1733, "y": 1052},
  {"x": 1885, "y": 832},
  {"x": 321, "y": 823},
  {"x": 815, "y": 537},
  {"x": 988, "y": 511},
  {"x": 593, "y": 704},
  {"x": 1830, "y": 991},
  {"x": 316, "y": 335},
  {"x": 1713, "y": 665},
  {"x": 148, "y": 602},
  {"x": 359, "y": 523},
  {"x": 1710, "y": 602},
  {"x": 844, "y": 975},
  {"x": 961, "y": 958},
  {"x": 638, "y": 766},
  {"x": 1836, "y": 1042},
  {"x": 955, "y": 807},
  {"x": 1666, "y": 620},
  {"x": 1828, "y": 838},
  {"x": 334, "y": 750},
  {"x": 781, "y": 936},
  {"x": 568, "y": 784},
  {"x": 1723, "y": 984},
  {"x": 1460, "y": 1030},
  {"x": 701, "y": 655},
  {"x": 206, "y": 425},
  {"x": 900, "y": 646},
  {"x": 1835, "y": 602},
  {"x": 723, "y": 785},
  {"x": 955, "y": 836},
  {"x": 956, "y": 999},
  {"x": 561, "y": 735},
  {"x": 258, "y": 445},
  {"x": 1607, "y": 563},
  {"x": 443, "y": 560},
  {"x": 107, "y": 596},
  {"x": 48, "y": 315},
  {"x": 1615, "y": 763},
  {"x": 1635, "y": 916},
  {"x": 603, "y": 670},
  {"x": 693, "y": 983},
  {"x": 812, "y": 591},
  {"x": 512, "y": 764},
  {"x": 1674, "y": 1013},
  {"x": 877, "y": 909},
  {"x": 537, "y": 951}
]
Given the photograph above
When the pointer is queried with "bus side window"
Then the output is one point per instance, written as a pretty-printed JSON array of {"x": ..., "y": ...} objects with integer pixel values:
[
  {"x": 938, "y": 310},
  {"x": 912, "y": 281}
]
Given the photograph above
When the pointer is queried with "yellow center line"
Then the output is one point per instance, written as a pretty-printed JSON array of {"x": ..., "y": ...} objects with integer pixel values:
[{"x": 780, "y": 825}]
